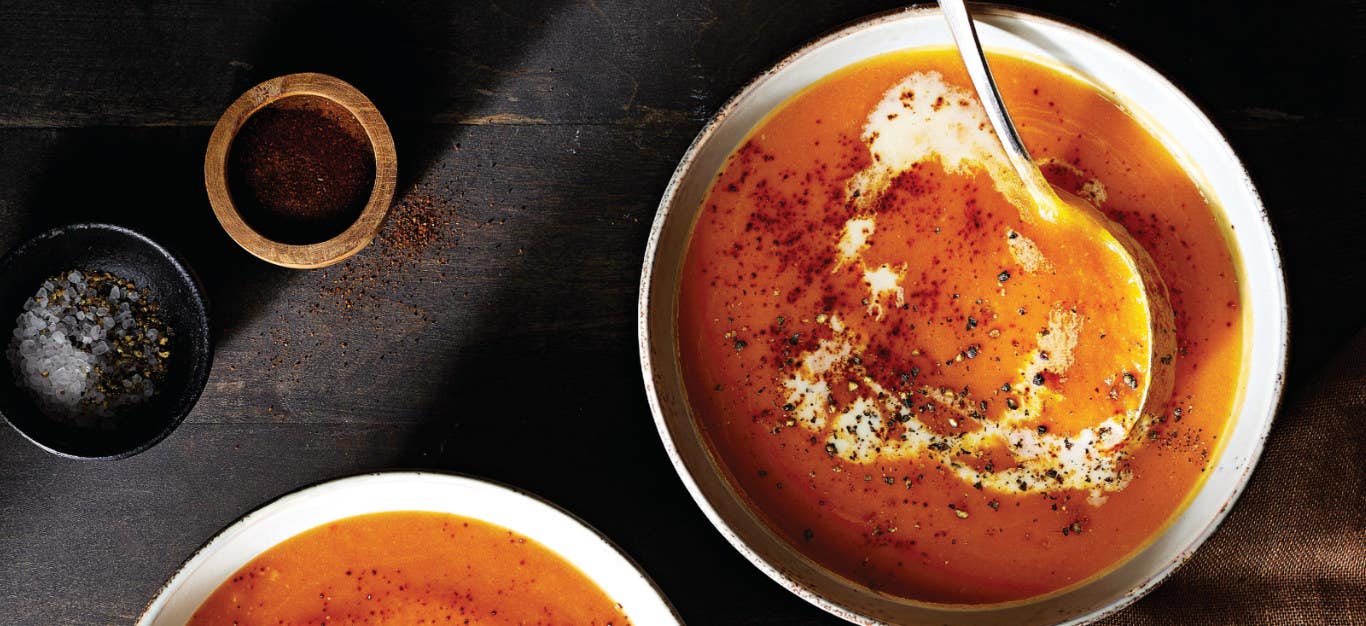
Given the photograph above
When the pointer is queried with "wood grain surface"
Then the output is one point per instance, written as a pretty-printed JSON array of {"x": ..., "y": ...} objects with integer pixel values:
[{"x": 493, "y": 333}]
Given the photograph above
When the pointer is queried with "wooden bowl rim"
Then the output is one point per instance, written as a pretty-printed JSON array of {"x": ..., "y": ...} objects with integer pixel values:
[{"x": 356, "y": 236}]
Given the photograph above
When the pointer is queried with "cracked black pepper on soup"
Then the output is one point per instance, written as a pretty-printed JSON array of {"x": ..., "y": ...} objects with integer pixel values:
[{"x": 899, "y": 372}]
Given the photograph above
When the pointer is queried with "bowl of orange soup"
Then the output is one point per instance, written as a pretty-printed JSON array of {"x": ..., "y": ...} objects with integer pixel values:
[
  {"x": 409, "y": 548},
  {"x": 892, "y": 391}
]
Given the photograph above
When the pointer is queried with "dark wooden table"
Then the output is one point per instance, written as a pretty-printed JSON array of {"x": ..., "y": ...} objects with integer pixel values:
[{"x": 535, "y": 138}]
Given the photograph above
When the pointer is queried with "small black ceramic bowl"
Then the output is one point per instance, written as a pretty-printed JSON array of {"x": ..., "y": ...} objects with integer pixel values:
[{"x": 132, "y": 256}]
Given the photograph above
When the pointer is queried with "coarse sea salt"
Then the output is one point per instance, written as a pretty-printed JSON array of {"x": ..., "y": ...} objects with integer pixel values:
[{"x": 82, "y": 347}]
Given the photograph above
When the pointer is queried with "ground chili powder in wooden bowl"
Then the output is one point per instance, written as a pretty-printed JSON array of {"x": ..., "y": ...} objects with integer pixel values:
[{"x": 300, "y": 170}]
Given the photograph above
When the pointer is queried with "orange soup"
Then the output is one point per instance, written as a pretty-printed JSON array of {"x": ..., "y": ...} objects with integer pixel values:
[
  {"x": 408, "y": 567},
  {"x": 907, "y": 375}
]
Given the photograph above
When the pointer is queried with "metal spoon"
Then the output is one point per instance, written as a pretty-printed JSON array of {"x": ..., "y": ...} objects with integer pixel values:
[{"x": 1063, "y": 209}]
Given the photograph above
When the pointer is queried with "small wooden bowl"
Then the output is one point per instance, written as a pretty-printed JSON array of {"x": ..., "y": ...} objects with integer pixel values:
[{"x": 302, "y": 88}]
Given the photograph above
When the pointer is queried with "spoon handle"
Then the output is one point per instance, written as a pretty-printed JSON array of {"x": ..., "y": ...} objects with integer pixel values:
[{"x": 970, "y": 48}]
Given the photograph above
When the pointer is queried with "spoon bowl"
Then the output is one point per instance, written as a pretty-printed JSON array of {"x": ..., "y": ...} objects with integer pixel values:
[
  {"x": 1093, "y": 239},
  {"x": 1148, "y": 290}
]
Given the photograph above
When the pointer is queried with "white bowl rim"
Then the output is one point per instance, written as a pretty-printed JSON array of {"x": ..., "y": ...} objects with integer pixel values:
[
  {"x": 1279, "y": 353},
  {"x": 637, "y": 593}
]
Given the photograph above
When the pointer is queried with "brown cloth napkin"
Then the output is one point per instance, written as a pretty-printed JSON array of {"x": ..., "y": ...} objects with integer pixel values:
[{"x": 1293, "y": 550}]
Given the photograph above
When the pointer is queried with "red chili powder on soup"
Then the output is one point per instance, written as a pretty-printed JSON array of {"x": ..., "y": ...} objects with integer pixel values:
[
  {"x": 409, "y": 567},
  {"x": 907, "y": 378}
]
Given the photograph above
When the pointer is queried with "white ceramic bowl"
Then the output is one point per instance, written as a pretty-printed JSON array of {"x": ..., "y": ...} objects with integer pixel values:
[
  {"x": 314, "y": 506},
  {"x": 1151, "y": 98}
]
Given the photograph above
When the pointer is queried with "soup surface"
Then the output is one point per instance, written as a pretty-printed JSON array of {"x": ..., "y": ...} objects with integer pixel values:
[
  {"x": 408, "y": 567},
  {"x": 919, "y": 385}
]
